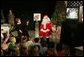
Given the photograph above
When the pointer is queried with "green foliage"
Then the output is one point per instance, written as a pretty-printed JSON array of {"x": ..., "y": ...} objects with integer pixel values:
[{"x": 60, "y": 12}]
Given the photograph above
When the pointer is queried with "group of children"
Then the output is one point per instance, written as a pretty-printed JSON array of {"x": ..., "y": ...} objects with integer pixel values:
[
  {"x": 28, "y": 46},
  {"x": 23, "y": 45}
]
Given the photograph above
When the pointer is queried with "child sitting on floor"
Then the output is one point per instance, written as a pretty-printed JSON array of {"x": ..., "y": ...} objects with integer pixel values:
[{"x": 60, "y": 51}]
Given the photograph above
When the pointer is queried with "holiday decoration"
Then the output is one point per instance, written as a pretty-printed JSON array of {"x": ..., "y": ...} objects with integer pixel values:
[
  {"x": 45, "y": 27},
  {"x": 37, "y": 17}
]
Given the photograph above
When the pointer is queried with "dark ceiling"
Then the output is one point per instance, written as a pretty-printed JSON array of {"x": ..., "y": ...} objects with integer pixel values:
[
  {"x": 29, "y": 7},
  {"x": 25, "y": 9}
]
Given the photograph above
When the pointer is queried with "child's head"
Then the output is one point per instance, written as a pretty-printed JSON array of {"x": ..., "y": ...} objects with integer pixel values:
[
  {"x": 43, "y": 39},
  {"x": 13, "y": 39},
  {"x": 51, "y": 45},
  {"x": 59, "y": 47},
  {"x": 17, "y": 51},
  {"x": 4, "y": 46},
  {"x": 18, "y": 20},
  {"x": 26, "y": 37},
  {"x": 36, "y": 40},
  {"x": 23, "y": 39},
  {"x": 44, "y": 42},
  {"x": 1, "y": 52},
  {"x": 36, "y": 48},
  {"x": 24, "y": 51}
]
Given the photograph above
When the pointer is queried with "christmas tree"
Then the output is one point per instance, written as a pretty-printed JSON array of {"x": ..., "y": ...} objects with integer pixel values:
[{"x": 59, "y": 13}]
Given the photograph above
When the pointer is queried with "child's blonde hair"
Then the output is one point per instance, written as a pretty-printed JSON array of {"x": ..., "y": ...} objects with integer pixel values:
[{"x": 12, "y": 39}]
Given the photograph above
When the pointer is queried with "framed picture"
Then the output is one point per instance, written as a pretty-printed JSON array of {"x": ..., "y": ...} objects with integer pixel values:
[
  {"x": 72, "y": 13},
  {"x": 37, "y": 16}
]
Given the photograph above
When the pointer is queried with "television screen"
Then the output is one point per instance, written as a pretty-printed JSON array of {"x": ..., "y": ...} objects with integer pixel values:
[{"x": 72, "y": 13}]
